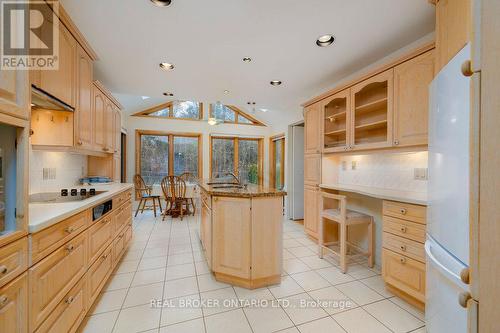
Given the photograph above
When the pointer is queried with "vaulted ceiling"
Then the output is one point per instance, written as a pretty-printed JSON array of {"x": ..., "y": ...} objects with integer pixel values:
[{"x": 206, "y": 41}]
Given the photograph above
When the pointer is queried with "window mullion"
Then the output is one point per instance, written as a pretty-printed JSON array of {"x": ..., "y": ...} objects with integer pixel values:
[
  {"x": 236, "y": 156},
  {"x": 171, "y": 155}
]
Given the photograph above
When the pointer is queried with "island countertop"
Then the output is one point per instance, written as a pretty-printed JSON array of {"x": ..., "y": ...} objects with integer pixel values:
[{"x": 251, "y": 190}]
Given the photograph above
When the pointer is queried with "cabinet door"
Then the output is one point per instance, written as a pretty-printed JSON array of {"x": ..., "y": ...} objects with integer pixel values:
[
  {"x": 14, "y": 90},
  {"x": 335, "y": 119},
  {"x": 99, "y": 111},
  {"x": 411, "y": 93},
  {"x": 117, "y": 131},
  {"x": 83, "y": 116},
  {"x": 98, "y": 273},
  {"x": 312, "y": 131},
  {"x": 109, "y": 127},
  {"x": 231, "y": 236},
  {"x": 311, "y": 221},
  {"x": 453, "y": 29},
  {"x": 100, "y": 234},
  {"x": 117, "y": 168},
  {"x": 371, "y": 113},
  {"x": 14, "y": 306},
  {"x": 61, "y": 83},
  {"x": 312, "y": 169}
]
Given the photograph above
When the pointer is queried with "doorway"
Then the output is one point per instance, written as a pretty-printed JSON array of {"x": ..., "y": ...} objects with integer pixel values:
[
  {"x": 123, "y": 161},
  {"x": 295, "y": 164}
]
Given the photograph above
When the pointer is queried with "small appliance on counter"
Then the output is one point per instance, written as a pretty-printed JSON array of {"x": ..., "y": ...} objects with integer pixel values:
[{"x": 92, "y": 180}]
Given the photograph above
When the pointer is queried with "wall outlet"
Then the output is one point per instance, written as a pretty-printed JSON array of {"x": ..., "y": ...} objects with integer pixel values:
[
  {"x": 49, "y": 173},
  {"x": 420, "y": 174},
  {"x": 353, "y": 165}
]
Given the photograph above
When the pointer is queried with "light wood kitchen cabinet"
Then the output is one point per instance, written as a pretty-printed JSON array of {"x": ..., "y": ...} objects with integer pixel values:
[
  {"x": 311, "y": 210},
  {"x": 312, "y": 169},
  {"x": 109, "y": 127},
  {"x": 231, "y": 236},
  {"x": 206, "y": 231},
  {"x": 99, "y": 118},
  {"x": 84, "y": 128},
  {"x": 411, "y": 96},
  {"x": 100, "y": 235},
  {"x": 117, "y": 130},
  {"x": 336, "y": 120},
  {"x": 453, "y": 29},
  {"x": 14, "y": 90},
  {"x": 13, "y": 260},
  {"x": 371, "y": 124},
  {"x": 60, "y": 83},
  {"x": 99, "y": 273},
  {"x": 312, "y": 129},
  {"x": 14, "y": 306}
]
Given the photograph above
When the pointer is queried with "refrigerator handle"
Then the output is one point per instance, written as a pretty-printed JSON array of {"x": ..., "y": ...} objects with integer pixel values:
[{"x": 439, "y": 265}]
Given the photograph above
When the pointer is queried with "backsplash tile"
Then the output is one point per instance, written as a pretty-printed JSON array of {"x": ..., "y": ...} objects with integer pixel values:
[
  {"x": 69, "y": 168},
  {"x": 388, "y": 171}
]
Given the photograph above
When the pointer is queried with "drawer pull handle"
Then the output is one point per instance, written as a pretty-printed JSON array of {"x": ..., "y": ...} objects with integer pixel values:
[
  {"x": 3, "y": 269},
  {"x": 120, "y": 236},
  {"x": 403, "y": 247},
  {"x": 3, "y": 301},
  {"x": 465, "y": 276},
  {"x": 69, "y": 230},
  {"x": 70, "y": 248},
  {"x": 402, "y": 260},
  {"x": 69, "y": 300},
  {"x": 463, "y": 299},
  {"x": 403, "y": 211},
  {"x": 403, "y": 229},
  {"x": 104, "y": 256}
]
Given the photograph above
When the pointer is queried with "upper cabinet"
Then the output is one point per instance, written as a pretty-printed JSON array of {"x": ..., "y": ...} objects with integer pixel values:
[
  {"x": 336, "y": 121},
  {"x": 372, "y": 112},
  {"x": 453, "y": 29},
  {"x": 14, "y": 88},
  {"x": 99, "y": 118},
  {"x": 117, "y": 131},
  {"x": 83, "y": 120},
  {"x": 312, "y": 130},
  {"x": 411, "y": 96}
]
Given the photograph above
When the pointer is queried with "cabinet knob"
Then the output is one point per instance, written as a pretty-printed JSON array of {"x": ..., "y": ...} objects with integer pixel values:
[
  {"x": 396, "y": 142},
  {"x": 463, "y": 298},
  {"x": 467, "y": 68},
  {"x": 403, "y": 211},
  {"x": 465, "y": 275},
  {"x": 402, "y": 260},
  {"x": 403, "y": 229},
  {"x": 69, "y": 230},
  {"x": 403, "y": 247},
  {"x": 3, "y": 269},
  {"x": 70, "y": 248},
  {"x": 69, "y": 300},
  {"x": 3, "y": 301},
  {"x": 80, "y": 142}
]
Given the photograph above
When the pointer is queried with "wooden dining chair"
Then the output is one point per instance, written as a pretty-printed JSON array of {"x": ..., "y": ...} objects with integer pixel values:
[
  {"x": 189, "y": 178},
  {"x": 174, "y": 188},
  {"x": 144, "y": 193}
]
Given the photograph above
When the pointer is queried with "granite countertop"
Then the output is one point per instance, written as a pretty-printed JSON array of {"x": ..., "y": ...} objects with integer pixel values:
[
  {"x": 44, "y": 215},
  {"x": 250, "y": 191},
  {"x": 417, "y": 198}
]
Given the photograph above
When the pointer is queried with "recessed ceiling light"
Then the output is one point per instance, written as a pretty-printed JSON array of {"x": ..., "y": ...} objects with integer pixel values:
[
  {"x": 168, "y": 94},
  {"x": 264, "y": 110},
  {"x": 275, "y": 82},
  {"x": 247, "y": 59},
  {"x": 166, "y": 66},
  {"x": 161, "y": 3},
  {"x": 226, "y": 92},
  {"x": 251, "y": 103},
  {"x": 144, "y": 97},
  {"x": 325, "y": 40}
]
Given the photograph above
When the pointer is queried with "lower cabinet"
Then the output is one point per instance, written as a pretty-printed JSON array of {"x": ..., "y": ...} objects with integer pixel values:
[
  {"x": 14, "y": 305},
  {"x": 99, "y": 272},
  {"x": 311, "y": 211},
  {"x": 206, "y": 232},
  {"x": 100, "y": 235}
]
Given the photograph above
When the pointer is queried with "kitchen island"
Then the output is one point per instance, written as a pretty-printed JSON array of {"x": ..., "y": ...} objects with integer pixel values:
[{"x": 241, "y": 233}]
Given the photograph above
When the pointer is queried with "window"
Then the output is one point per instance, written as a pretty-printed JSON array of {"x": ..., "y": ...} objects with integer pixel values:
[
  {"x": 241, "y": 156},
  {"x": 277, "y": 161},
  {"x": 175, "y": 110},
  {"x": 231, "y": 114},
  {"x": 161, "y": 154}
]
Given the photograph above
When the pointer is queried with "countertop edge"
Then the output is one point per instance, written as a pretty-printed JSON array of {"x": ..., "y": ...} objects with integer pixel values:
[
  {"x": 241, "y": 195},
  {"x": 374, "y": 194},
  {"x": 34, "y": 228}
]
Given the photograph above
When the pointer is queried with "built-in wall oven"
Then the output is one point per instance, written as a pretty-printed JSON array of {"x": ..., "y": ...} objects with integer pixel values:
[{"x": 101, "y": 209}]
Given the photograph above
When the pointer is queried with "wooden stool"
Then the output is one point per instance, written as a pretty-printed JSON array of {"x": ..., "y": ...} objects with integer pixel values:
[{"x": 344, "y": 217}]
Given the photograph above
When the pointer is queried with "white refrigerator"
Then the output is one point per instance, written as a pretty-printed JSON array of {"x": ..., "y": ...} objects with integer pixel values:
[{"x": 447, "y": 244}]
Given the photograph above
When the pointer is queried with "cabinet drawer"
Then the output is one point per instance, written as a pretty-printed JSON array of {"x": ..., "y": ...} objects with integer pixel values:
[
  {"x": 99, "y": 273},
  {"x": 14, "y": 306},
  {"x": 13, "y": 260},
  {"x": 46, "y": 241},
  {"x": 119, "y": 245},
  {"x": 54, "y": 276},
  {"x": 404, "y": 273},
  {"x": 69, "y": 313},
  {"x": 128, "y": 233},
  {"x": 406, "y": 229},
  {"x": 405, "y": 211},
  {"x": 100, "y": 235},
  {"x": 122, "y": 198},
  {"x": 404, "y": 246},
  {"x": 123, "y": 216}
]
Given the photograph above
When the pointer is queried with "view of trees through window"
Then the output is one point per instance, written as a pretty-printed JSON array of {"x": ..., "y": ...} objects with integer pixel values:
[
  {"x": 176, "y": 109},
  {"x": 166, "y": 154},
  {"x": 231, "y": 114},
  {"x": 246, "y": 164}
]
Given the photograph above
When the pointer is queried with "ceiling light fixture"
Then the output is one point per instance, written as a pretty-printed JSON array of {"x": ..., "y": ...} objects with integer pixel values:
[
  {"x": 251, "y": 103},
  {"x": 168, "y": 94},
  {"x": 247, "y": 59},
  {"x": 275, "y": 82},
  {"x": 325, "y": 40},
  {"x": 264, "y": 110},
  {"x": 212, "y": 121},
  {"x": 161, "y": 3},
  {"x": 166, "y": 66},
  {"x": 144, "y": 97},
  {"x": 226, "y": 92}
]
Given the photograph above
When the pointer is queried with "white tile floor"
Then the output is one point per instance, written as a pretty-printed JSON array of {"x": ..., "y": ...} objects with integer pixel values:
[{"x": 164, "y": 262}]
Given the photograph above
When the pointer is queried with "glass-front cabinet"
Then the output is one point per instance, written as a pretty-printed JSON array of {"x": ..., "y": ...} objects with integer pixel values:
[{"x": 336, "y": 122}]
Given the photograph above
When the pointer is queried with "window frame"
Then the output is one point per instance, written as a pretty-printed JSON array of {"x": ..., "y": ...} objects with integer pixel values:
[
  {"x": 170, "y": 135},
  {"x": 237, "y": 112},
  {"x": 272, "y": 160},
  {"x": 170, "y": 107},
  {"x": 260, "y": 154}
]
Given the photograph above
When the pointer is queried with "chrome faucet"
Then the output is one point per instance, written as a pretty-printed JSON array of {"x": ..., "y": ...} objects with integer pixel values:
[{"x": 234, "y": 176}]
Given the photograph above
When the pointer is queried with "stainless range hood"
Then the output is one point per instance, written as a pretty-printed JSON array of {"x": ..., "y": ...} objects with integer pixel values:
[{"x": 43, "y": 100}]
